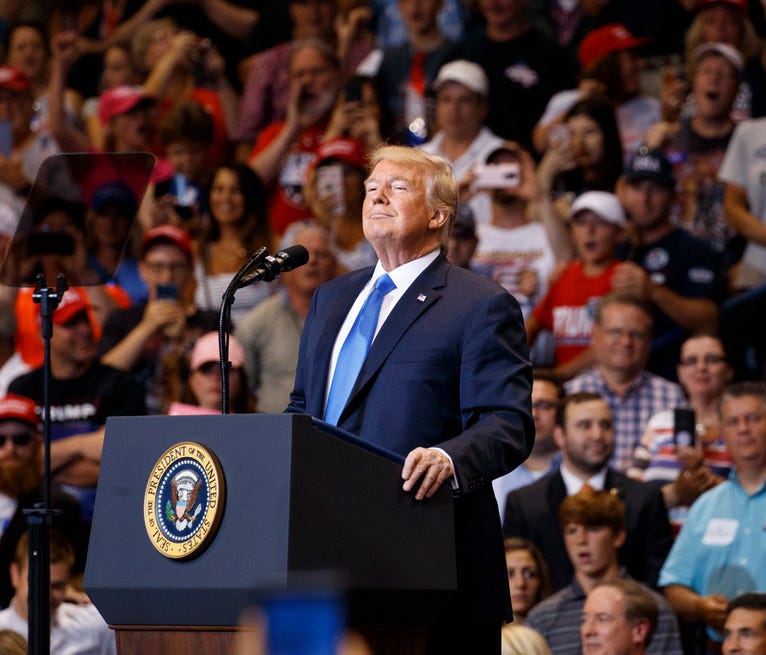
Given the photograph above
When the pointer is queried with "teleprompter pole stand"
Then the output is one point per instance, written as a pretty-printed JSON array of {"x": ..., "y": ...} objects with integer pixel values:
[{"x": 39, "y": 517}]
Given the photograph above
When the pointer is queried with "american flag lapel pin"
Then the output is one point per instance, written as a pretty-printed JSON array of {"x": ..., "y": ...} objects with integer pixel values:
[{"x": 421, "y": 297}]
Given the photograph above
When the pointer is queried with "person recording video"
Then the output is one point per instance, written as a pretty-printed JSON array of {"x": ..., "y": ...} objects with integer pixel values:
[{"x": 150, "y": 338}]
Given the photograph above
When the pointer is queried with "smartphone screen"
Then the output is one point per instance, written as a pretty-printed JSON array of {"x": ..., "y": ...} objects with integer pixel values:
[
  {"x": 683, "y": 427},
  {"x": 167, "y": 292},
  {"x": 331, "y": 188},
  {"x": 498, "y": 176},
  {"x": 353, "y": 90},
  {"x": 185, "y": 192}
]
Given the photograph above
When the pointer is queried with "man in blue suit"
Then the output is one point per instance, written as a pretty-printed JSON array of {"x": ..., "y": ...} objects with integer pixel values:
[{"x": 446, "y": 382}]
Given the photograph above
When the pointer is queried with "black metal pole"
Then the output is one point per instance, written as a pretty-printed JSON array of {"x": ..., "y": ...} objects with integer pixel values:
[{"x": 39, "y": 517}]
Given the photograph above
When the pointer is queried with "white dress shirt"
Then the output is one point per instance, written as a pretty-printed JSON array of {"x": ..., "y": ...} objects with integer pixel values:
[
  {"x": 402, "y": 277},
  {"x": 574, "y": 483}
]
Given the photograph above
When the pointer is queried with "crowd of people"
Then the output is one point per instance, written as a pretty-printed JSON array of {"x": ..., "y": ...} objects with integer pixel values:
[{"x": 610, "y": 160}]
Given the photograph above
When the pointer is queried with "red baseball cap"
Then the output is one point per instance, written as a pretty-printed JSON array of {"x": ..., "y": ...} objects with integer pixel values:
[
  {"x": 120, "y": 100},
  {"x": 605, "y": 40},
  {"x": 21, "y": 408},
  {"x": 168, "y": 234},
  {"x": 73, "y": 302},
  {"x": 13, "y": 79},
  {"x": 347, "y": 150},
  {"x": 742, "y": 5}
]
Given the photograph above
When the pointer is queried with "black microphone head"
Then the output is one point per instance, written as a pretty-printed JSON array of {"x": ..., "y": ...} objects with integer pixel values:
[{"x": 292, "y": 257}]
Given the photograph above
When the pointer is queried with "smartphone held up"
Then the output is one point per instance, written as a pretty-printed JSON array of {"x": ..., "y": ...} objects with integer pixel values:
[{"x": 497, "y": 176}]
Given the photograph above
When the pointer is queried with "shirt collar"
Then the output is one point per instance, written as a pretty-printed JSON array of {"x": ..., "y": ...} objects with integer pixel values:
[
  {"x": 403, "y": 276},
  {"x": 573, "y": 483},
  {"x": 637, "y": 382},
  {"x": 734, "y": 478}
]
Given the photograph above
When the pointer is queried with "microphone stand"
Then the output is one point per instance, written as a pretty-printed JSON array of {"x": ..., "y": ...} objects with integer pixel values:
[
  {"x": 39, "y": 516},
  {"x": 224, "y": 322}
]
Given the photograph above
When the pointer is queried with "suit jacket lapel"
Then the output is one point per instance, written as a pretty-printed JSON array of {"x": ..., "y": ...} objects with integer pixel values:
[
  {"x": 333, "y": 316},
  {"x": 416, "y": 300},
  {"x": 557, "y": 491},
  {"x": 611, "y": 481}
]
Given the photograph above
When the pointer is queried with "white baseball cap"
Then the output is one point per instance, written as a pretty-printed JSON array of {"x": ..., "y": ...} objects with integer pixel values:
[
  {"x": 602, "y": 203},
  {"x": 470, "y": 75},
  {"x": 728, "y": 52}
]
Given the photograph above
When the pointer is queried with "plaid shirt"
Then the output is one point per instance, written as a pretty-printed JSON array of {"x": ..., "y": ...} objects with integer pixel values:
[{"x": 647, "y": 395}]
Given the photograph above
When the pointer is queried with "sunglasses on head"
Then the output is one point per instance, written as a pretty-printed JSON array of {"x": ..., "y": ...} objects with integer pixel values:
[{"x": 19, "y": 439}]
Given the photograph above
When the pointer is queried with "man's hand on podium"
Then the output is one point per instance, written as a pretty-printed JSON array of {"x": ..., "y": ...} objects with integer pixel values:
[{"x": 430, "y": 464}]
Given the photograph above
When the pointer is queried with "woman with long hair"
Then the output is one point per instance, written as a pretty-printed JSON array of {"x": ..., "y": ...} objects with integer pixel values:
[
  {"x": 198, "y": 385},
  {"x": 587, "y": 155},
  {"x": 237, "y": 226},
  {"x": 528, "y": 576}
]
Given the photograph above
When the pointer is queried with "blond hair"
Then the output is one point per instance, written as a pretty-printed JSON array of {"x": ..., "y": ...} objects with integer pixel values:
[
  {"x": 441, "y": 185},
  {"x": 748, "y": 46},
  {"x": 516, "y": 639}
]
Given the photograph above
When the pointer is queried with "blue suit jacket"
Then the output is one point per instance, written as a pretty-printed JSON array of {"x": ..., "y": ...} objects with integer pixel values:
[{"x": 449, "y": 367}]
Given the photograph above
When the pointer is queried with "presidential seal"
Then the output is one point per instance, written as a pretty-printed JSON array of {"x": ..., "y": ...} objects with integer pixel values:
[{"x": 184, "y": 499}]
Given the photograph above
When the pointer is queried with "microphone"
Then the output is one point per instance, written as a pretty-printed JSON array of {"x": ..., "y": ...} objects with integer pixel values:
[{"x": 272, "y": 265}]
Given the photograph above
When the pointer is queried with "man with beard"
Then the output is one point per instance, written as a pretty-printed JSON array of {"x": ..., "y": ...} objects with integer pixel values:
[
  {"x": 285, "y": 149},
  {"x": 20, "y": 486},
  {"x": 585, "y": 433}
]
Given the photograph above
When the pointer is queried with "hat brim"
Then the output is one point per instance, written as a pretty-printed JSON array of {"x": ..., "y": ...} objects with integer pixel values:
[{"x": 660, "y": 179}]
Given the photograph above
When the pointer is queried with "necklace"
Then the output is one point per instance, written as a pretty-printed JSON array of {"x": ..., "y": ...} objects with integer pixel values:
[{"x": 229, "y": 254}]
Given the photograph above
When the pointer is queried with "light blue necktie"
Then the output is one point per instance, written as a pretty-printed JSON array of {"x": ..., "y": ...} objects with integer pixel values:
[{"x": 355, "y": 348}]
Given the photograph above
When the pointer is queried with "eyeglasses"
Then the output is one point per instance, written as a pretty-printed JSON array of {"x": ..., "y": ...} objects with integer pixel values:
[
  {"x": 633, "y": 335},
  {"x": 707, "y": 360},
  {"x": 19, "y": 439},
  {"x": 749, "y": 419}
]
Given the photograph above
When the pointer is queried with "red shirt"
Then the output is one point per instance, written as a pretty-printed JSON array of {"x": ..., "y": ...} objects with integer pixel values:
[
  {"x": 286, "y": 203},
  {"x": 569, "y": 306}
]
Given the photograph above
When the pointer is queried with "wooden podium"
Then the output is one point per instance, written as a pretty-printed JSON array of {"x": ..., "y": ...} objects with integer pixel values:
[{"x": 301, "y": 497}]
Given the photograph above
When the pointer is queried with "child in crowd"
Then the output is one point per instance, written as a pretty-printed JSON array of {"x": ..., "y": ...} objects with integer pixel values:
[
  {"x": 186, "y": 133},
  {"x": 597, "y": 221}
]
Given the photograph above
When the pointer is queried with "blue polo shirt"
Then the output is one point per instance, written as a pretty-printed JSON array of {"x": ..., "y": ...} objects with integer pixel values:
[{"x": 720, "y": 549}]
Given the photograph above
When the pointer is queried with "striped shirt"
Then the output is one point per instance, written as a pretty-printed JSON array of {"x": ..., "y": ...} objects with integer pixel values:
[{"x": 557, "y": 619}]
